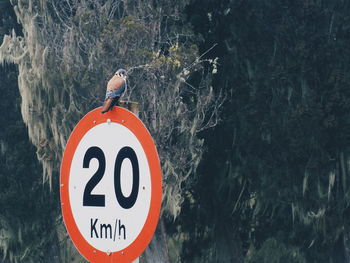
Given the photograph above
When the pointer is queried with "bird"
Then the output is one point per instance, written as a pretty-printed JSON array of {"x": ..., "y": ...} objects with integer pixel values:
[{"x": 116, "y": 87}]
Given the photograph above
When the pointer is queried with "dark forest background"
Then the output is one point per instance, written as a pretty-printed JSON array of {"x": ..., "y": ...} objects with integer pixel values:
[{"x": 273, "y": 182}]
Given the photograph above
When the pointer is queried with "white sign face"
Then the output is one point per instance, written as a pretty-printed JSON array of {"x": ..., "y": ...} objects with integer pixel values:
[{"x": 110, "y": 187}]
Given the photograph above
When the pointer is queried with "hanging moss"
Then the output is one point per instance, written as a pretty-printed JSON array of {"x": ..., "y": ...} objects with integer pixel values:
[{"x": 69, "y": 50}]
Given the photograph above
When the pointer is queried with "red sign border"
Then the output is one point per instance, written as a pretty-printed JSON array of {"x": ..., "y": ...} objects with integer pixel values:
[{"x": 135, "y": 125}]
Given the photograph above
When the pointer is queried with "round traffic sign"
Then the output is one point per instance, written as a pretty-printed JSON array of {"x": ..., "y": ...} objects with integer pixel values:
[{"x": 110, "y": 186}]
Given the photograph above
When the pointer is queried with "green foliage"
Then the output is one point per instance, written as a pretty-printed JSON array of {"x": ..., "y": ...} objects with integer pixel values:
[
  {"x": 273, "y": 251},
  {"x": 7, "y": 19},
  {"x": 70, "y": 49},
  {"x": 275, "y": 175},
  {"x": 278, "y": 161},
  {"x": 27, "y": 214}
]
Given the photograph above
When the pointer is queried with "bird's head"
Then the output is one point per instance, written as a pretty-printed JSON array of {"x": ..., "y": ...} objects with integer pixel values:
[{"x": 121, "y": 72}]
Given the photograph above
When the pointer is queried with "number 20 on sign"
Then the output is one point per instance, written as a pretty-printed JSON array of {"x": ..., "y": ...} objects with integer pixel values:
[{"x": 110, "y": 186}]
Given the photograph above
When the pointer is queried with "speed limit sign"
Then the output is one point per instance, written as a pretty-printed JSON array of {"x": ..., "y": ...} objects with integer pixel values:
[{"x": 110, "y": 186}]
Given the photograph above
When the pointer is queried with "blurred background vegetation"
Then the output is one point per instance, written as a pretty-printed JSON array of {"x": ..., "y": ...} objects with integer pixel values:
[{"x": 248, "y": 102}]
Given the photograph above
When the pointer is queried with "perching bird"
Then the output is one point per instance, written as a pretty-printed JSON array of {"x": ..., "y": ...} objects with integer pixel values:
[{"x": 115, "y": 88}]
